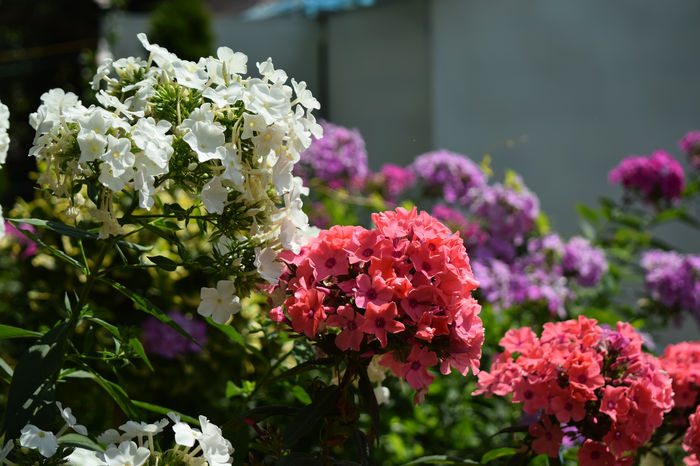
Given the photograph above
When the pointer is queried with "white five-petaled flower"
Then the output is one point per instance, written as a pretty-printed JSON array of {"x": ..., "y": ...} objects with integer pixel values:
[
  {"x": 36, "y": 439},
  {"x": 220, "y": 303},
  {"x": 268, "y": 267},
  {"x": 4, "y": 126},
  {"x": 126, "y": 454},
  {"x": 67, "y": 416},
  {"x": 214, "y": 196}
]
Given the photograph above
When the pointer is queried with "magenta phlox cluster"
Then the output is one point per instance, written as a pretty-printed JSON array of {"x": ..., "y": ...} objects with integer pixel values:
[
  {"x": 690, "y": 144},
  {"x": 452, "y": 176},
  {"x": 583, "y": 375},
  {"x": 402, "y": 290},
  {"x": 396, "y": 179},
  {"x": 338, "y": 158},
  {"x": 160, "y": 339},
  {"x": 673, "y": 279},
  {"x": 28, "y": 247},
  {"x": 657, "y": 177}
]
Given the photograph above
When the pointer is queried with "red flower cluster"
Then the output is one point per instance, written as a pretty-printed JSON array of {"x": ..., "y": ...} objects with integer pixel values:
[
  {"x": 682, "y": 363},
  {"x": 691, "y": 441},
  {"x": 582, "y": 375},
  {"x": 402, "y": 289}
]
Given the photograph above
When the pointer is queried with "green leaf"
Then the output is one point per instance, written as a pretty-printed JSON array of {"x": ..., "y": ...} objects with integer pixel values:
[
  {"x": 79, "y": 441},
  {"x": 56, "y": 252},
  {"x": 138, "y": 349},
  {"x": 234, "y": 390},
  {"x": 588, "y": 213},
  {"x": 498, "y": 453},
  {"x": 440, "y": 459},
  {"x": 233, "y": 334},
  {"x": 7, "y": 331},
  {"x": 33, "y": 379},
  {"x": 162, "y": 410},
  {"x": 118, "y": 395},
  {"x": 163, "y": 263},
  {"x": 113, "y": 329},
  {"x": 300, "y": 394},
  {"x": 149, "y": 308},
  {"x": 539, "y": 460},
  {"x": 58, "y": 227}
]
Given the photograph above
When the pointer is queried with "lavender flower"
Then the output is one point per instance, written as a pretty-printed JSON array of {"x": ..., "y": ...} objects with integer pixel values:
[
  {"x": 583, "y": 261},
  {"x": 452, "y": 176},
  {"x": 162, "y": 340},
  {"x": 339, "y": 158},
  {"x": 673, "y": 280},
  {"x": 508, "y": 213},
  {"x": 690, "y": 144},
  {"x": 658, "y": 177}
]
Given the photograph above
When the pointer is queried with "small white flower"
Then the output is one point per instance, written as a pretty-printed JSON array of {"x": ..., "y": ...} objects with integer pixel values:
[
  {"x": 37, "y": 439},
  {"x": 268, "y": 267},
  {"x": 220, "y": 303},
  {"x": 127, "y": 454},
  {"x": 83, "y": 457},
  {"x": 190, "y": 74},
  {"x": 214, "y": 196},
  {"x": 382, "y": 394},
  {"x": 4, "y": 126},
  {"x": 304, "y": 96},
  {"x": 92, "y": 146},
  {"x": 111, "y": 436},
  {"x": 205, "y": 139},
  {"x": 184, "y": 434},
  {"x": 67, "y": 416}
]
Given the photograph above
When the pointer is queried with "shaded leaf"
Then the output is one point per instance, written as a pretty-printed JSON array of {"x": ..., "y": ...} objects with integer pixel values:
[
  {"x": 79, "y": 441},
  {"x": 138, "y": 349},
  {"x": 33, "y": 379},
  {"x": 310, "y": 416},
  {"x": 149, "y": 308},
  {"x": 162, "y": 410},
  {"x": 440, "y": 459},
  {"x": 498, "y": 453},
  {"x": 163, "y": 263},
  {"x": 7, "y": 331}
]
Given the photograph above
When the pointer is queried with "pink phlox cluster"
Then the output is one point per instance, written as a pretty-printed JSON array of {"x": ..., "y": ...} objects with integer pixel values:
[
  {"x": 690, "y": 144},
  {"x": 657, "y": 177},
  {"x": 691, "y": 440},
  {"x": 682, "y": 363},
  {"x": 402, "y": 290},
  {"x": 396, "y": 180},
  {"x": 580, "y": 374}
]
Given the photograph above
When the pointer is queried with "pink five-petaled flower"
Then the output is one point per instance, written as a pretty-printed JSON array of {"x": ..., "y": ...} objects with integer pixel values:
[
  {"x": 379, "y": 320},
  {"x": 415, "y": 371},
  {"x": 307, "y": 311},
  {"x": 347, "y": 319},
  {"x": 595, "y": 454},
  {"x": 548, "y": 437},
  {"x": 328, "y": 261},
  {"x": 371, "y": 290}
]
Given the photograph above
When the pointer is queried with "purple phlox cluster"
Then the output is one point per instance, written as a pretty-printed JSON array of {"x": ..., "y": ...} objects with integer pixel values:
[
  {"x": 507, "y": 213},
  {"x": 471, "y": 233},
  {"x": 500, "y": 284},
  {"x": 583, "y": 261},
  {"x": 29, "y": 247},
  {"x": 396, "y": 179},
  {"x": 162, "y": 340},
  {"x": 453, "y": 176},
  {"x": 539, "y": 274},
  {"x": 690, "y": 144},
  {"x": 657, "y": 177},
  {"x": 339, "y": 158},
  {"x": 673, "y": 280}
]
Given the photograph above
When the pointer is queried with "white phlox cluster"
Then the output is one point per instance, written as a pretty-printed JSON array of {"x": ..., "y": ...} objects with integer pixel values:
[{"x": 229, "y": 140}]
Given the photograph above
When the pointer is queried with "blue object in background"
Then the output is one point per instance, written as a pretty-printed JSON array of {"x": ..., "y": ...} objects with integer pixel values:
[{"x": 308, "y": 7}]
